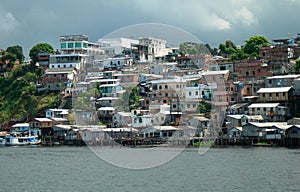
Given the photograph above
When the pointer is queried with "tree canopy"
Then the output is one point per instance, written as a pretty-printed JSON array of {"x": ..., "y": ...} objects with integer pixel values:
[
  {"x": 11, "y": 54},
  {"x": 193, "y": 48},
  {"x": 17, "y": 50},
  {"x": 228, "y": 48},
  {"x": 297, "y": 66},
  {"x": 253, "y": 45},
  {"x": 40, "y": 48},
  {"x": 134, "y": 99}
]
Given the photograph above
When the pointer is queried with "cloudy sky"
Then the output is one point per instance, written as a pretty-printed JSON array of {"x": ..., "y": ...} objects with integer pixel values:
[{"x": 29, "y": 22}]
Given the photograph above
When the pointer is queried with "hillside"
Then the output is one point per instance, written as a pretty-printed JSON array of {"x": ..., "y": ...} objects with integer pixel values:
[{"x": 19, "y": 100}]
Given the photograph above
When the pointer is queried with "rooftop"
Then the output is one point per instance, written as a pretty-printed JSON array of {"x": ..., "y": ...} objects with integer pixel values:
[
  {"x": 267, "y": 105},
  {"x": 284, "y": 77},
  {"x": 21, "y": 125},
  {"x": 274, "y": 90}
]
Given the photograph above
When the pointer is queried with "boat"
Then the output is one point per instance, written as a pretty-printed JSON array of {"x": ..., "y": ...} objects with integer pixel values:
[
  {"x": 2, "y": 141},
  {"x": 14, "y": 140}
]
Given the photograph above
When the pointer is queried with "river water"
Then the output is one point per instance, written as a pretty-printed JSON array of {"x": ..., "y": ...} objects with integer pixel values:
[{"x": 219, "y": 169}]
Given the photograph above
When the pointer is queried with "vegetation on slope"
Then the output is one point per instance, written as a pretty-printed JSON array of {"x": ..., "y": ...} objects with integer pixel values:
[{"x": 19, "y": 100}]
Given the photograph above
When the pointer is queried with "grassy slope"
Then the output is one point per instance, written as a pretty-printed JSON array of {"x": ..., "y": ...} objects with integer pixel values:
[{"x": 19, "y": 101}]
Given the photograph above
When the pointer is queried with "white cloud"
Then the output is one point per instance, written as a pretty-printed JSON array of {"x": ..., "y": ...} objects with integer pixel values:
[
  {"x": 246, "y": 17},
  {"x": 8, "y": 23},
  {"x": 215, "y": 22}
]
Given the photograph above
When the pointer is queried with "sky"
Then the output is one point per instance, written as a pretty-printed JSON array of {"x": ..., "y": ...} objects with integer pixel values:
[{"x": 29, "y": 22}]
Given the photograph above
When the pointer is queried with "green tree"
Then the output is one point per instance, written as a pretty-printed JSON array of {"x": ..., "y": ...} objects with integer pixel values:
[
  {"x": 228, "y": 48},
  {"x": 193, "y": 48},
  {"x": 134, "y": 99},
  {"x": 39, "y": 48},
  {"x": 203, "y": 107},
  {"x": 17, "y": 50},
  {"x": 213, "y": 51},
  {"x": 253, "y": 45},
  {"x": 119, "y": 104},
  {"x": 239, "y": 55},
  {"x": 297, "y": 66},
  {"x": 10, "y": 57}
]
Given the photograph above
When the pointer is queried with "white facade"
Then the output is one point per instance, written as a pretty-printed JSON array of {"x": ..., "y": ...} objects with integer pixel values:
[
  {"x": 54, "y": 113},
  {"x": 270, "y": 111},
  {"x": 141, "y": 118},
  {"x": 116, "y": 45},
  {"x": 79, "y": 44},
  {"x": 165, "y": 69},
  {"x": 67, "y": 61}
]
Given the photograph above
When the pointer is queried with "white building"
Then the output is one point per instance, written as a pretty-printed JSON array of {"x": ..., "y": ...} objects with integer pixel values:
[
  {"x": 141, "y": 118},
  {"x": 79, "y": 44},
  {"x": 67, "y": 61},
  {"x": 270, "y": 111},
  {"x": 148, "y": 48},
  {"x": 115, "y": 46},
  {"x": 55, "y": 113},
  {"x": 114, "y": 63},
  {"x": 164, "y": 69}
]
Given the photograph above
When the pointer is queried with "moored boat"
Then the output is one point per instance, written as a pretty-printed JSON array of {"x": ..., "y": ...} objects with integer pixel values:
[
  {"x": 2, "y": 141},
  {"x": 13, "y": 140}
]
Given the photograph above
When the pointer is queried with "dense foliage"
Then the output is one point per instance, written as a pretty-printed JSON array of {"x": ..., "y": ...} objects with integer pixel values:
[
  {"x": 19, "y": 100},
  {"x": 12, "y": 54},
  {"x": 39, "y": 48},
  {"x": 194, "y": 49}
]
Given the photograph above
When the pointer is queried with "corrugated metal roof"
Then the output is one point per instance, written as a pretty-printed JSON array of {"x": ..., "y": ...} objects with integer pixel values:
[
  {"x": 21, "y": 125},
  {"x": 274, "y": 90},
  {"x": 283, "y": 77},
  {"x": 267, "y": 105}
]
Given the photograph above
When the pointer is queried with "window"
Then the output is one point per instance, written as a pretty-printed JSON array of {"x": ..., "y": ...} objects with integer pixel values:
[
  {"x": 190, "y": 93},
  {"x": 63, "y": 45},
  {"x": 253, "y": 72},
  {"x": 247, "y": 73},
  {"x": 159, "y": 87},
  {"x": 77, "y": 44},
  {"x": 166, "y": 86},
  {"x": 85, "y": 45},
  {"x": 277, "y": 94},
  {"x": 71, "y": 45},
  {"x": 196, "y": 93},
  {"x": 188, "y": 106},
  {"x": 263, "y": 95}
]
